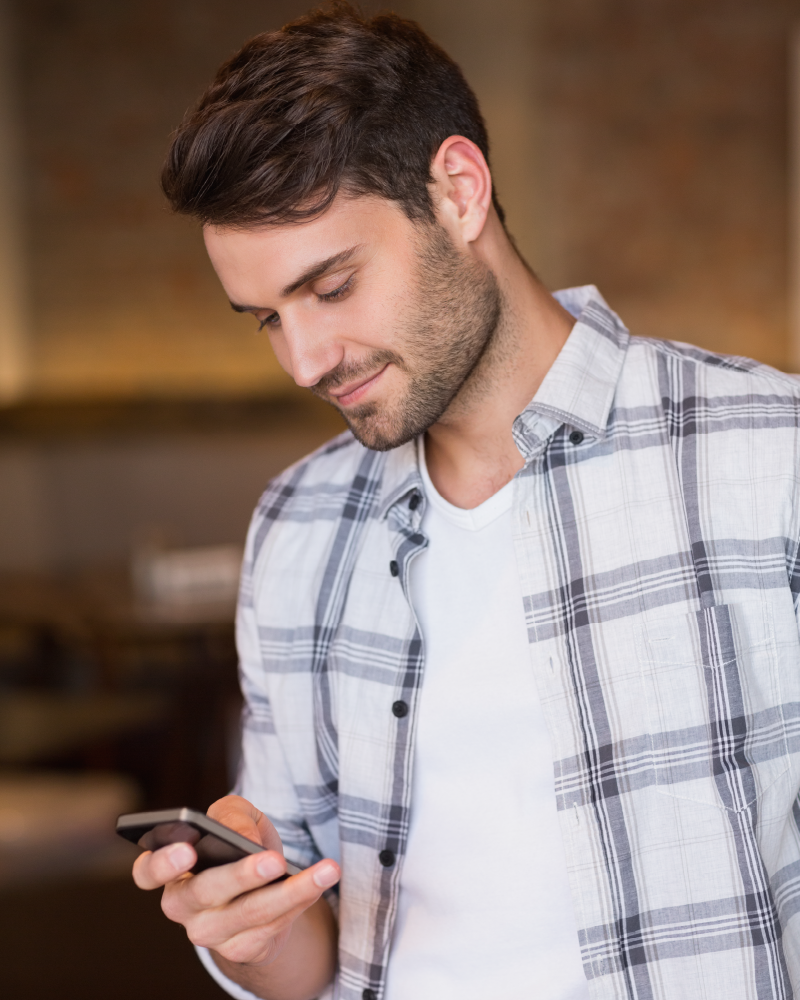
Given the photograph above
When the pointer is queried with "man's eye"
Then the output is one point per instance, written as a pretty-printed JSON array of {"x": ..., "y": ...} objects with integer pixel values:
[
  {"x": 337, "y": 293},
  {"x": 272, "y": 320}
]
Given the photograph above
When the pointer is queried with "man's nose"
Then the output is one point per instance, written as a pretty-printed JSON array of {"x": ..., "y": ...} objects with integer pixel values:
[{"x": 312, "y": 353}]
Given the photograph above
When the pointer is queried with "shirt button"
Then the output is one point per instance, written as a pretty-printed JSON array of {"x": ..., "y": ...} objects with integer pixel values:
[
  {"x": 386, "y": 858},
  {"x": 576, "y": 437},
  {"x": 400, "y": 709},
  {"x": 413, "y": 503},
  {"x": 394, "y": 569},
  {"x": 369, "y": 994}
]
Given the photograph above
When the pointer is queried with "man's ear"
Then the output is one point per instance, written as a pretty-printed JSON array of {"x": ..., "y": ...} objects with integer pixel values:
[{"x": 462, "y": 187}]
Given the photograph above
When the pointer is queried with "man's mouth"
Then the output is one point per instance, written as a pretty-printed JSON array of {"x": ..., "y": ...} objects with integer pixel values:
[{"x": 354, "y": 392}]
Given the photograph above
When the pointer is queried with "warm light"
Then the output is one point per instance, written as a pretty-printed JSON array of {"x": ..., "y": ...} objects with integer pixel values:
[
  {"x": 13, "y": 376},
  {"x": 794, "y": 201}
]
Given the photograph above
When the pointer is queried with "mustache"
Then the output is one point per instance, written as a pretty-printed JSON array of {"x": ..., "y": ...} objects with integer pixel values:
[{"x": 353, "y": 372}]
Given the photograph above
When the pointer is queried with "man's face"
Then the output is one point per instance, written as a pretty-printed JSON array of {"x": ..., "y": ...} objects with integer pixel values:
[{"x": 384, "y": 319}]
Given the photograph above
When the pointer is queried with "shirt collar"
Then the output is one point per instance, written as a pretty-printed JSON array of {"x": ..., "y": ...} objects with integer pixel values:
[
  {"x": 401, "y": 476},
  {"x": 578, "y": 390}
]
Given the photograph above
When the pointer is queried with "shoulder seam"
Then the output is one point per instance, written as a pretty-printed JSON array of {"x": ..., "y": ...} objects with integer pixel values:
[{"x": 724, "y": 362}]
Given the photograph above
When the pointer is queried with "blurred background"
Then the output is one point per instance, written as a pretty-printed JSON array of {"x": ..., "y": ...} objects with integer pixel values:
[{"x": 649, "y": 148}]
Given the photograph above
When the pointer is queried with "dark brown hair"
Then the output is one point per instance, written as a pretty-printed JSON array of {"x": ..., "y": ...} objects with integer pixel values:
[{"x": 331, "y": 101}]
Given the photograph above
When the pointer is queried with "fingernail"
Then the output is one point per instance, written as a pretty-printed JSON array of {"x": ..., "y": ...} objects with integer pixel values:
[
  {"x": 269, "y": 866},
  {"x": 180, "y": 855},
  {"x": 326, "y": 876}
]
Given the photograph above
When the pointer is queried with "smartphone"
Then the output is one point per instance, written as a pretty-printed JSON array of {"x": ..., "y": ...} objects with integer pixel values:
[{"x": 214, "y": 843}]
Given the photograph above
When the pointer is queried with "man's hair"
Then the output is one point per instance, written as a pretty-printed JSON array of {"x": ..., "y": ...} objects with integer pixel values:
[{"x": 333, "y": 101}]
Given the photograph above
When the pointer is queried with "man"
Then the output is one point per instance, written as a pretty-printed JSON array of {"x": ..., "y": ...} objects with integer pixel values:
[{"x": 519, "y": 652}]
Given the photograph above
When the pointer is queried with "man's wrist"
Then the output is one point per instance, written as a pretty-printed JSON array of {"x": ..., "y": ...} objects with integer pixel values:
[{"x": 211, "y": 962}]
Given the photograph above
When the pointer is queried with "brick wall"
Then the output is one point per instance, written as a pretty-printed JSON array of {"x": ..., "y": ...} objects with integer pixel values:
[
  {"x": 664, "y": 163},
  {"x": 123, "y": 300},
  {"x": 640, "y": 146}
]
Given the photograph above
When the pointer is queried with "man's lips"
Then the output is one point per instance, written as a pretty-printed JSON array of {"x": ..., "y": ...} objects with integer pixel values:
[{"x": 346, "y": 395}]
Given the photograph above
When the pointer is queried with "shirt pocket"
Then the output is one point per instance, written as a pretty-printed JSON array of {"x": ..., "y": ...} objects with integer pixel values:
[{"x": 712, "y": 693}]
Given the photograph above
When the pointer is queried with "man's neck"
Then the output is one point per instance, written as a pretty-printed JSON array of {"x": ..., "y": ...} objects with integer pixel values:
[{"x": 470, "y": 452}]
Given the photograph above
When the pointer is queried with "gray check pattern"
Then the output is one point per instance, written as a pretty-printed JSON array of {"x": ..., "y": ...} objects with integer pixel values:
[{"x": 658, "y": 560}]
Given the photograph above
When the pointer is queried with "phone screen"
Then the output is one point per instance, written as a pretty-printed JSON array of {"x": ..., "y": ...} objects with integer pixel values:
[{"x": 211, "y": 851}]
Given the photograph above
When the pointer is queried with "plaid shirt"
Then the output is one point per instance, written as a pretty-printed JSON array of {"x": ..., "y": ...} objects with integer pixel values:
[{"x": 656, "y": 530}]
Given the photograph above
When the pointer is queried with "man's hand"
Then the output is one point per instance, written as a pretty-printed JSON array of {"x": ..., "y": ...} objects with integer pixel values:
[{"x": 279, "y": 941}]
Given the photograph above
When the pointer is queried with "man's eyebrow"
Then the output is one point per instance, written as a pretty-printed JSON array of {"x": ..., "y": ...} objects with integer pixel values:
[
  {"x": 313, "y": 272},
  {"x": 317, "y": 270}
]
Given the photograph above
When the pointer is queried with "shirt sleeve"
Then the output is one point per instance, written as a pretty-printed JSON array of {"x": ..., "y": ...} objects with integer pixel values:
[{"x": 263, "y": 776}]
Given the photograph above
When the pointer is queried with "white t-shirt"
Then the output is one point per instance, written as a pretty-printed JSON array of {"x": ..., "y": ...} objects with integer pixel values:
[{"x": 484, "y": 908}]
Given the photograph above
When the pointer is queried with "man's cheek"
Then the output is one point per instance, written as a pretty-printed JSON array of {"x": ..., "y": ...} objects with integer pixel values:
[{"x": 281, "y": 352}]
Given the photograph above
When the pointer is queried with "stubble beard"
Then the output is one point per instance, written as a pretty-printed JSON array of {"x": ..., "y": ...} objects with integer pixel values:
[{"x": 453, "y": 322}]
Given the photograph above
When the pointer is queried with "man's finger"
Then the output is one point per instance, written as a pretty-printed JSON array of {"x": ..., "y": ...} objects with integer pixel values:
[
  {"x": 237, "y": 813},
  {"x": 271, "y": 907},
  {"x": 243, "y": 817},
  {"x": 153, "y": 869},
  {"x": 257, "y": 945},
  {"x": 285, "y": 899},
  {"x": 216, "y": 887}
]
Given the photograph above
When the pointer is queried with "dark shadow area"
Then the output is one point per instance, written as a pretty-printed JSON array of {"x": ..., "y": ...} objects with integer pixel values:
[{"x": 94, "y": 940}]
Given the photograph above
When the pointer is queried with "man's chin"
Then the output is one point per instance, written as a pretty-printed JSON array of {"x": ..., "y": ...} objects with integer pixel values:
[
  {"x": 377, "y": 440},
  {"x": 369, "y": 429},
  {"x": 382, "y": 427}
]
